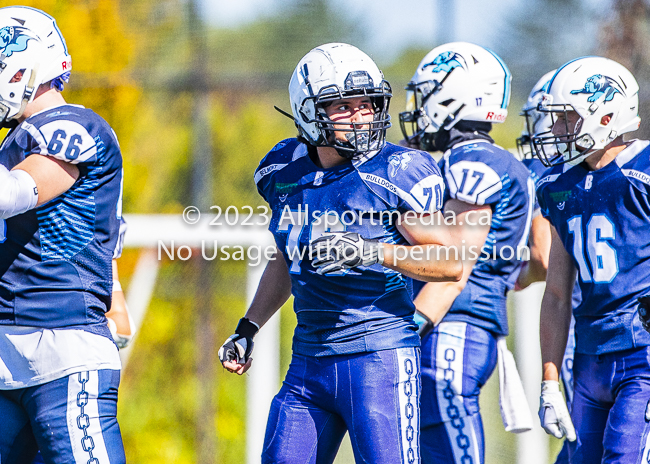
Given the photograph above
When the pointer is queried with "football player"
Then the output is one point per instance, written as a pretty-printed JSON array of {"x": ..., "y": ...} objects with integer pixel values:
[
  {"x": 457, "y": 92},
  {"x": 539, "y": 240},
  {"x": 60, "y": 189},
  {"x": 596, "y": 198},
  {"x": 364, "y": 210}
]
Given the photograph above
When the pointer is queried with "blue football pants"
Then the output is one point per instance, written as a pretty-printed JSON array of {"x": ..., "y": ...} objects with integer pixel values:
[
  {"x": 457, "y": 360},
  {"x": 610, "y": 407},
  {"x": 72, "y": 420},
  {"x": 374, "y": 396}
]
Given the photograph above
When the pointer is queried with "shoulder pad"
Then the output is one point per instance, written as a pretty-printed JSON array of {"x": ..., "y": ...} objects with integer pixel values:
[
  {"x": 279, "y": 157},
  {"x": 405, "y": 178}
]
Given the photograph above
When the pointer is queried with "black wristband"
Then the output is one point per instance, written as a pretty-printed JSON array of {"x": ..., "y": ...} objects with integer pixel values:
[{"x": 246, "y": 328}]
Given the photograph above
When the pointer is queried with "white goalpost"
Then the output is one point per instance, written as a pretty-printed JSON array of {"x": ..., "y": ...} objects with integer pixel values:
[{"x": 155, "y": 235}]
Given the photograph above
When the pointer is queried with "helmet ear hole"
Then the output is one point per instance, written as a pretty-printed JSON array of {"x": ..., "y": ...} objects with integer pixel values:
[
  {"x": 18, "y": 76},
  {"x": 605, "y": 120},
  {"x": 33, "y": 53}
]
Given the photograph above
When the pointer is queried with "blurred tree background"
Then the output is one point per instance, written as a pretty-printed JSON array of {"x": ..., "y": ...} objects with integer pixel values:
[{"x": 134, "y": 63}]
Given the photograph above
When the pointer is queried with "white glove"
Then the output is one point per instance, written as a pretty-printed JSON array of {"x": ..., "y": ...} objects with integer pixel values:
[
  {"x": 122, "y": 341},
  {"x": 337, "y": 251},
  {"x": 553, "y": 412}
]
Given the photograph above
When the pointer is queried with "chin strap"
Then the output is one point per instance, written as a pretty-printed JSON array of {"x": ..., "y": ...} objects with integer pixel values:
[{"x": 29, "y": 92}]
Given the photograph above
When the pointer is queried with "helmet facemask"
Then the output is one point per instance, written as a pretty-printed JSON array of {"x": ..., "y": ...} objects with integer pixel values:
[
  {"x": 567, "y": 143},
  {"x": 535, "y": 122},
  {"x": 417, "y": 127},
  {"x": 362, "y": 137}
]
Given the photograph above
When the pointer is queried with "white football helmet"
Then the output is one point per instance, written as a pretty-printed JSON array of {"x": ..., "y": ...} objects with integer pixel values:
[
  {"x": 455, "y": 82},
  {"x": 32, "y": 52},
  {"x": 535, "y": 122},
  {"x": 594, "y": 88},
  {"x": 332, "y": 72}
]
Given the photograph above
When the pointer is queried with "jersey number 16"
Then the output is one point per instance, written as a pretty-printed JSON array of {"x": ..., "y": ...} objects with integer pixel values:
[{"x": 602, "y": 256}]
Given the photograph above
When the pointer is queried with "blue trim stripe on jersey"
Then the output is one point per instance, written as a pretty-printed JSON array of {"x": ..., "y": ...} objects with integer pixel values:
[
  {"x": 65, "y": 238},
  {"x": 506, "y": 84}
]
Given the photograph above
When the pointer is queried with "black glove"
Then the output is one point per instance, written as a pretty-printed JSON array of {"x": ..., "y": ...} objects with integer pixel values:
[
  {"x": 239, "y": 346},
  {"x": 337, "y": 251},
  {"x": 425, "y": 325},
  {"x": 644, "y": 311}
]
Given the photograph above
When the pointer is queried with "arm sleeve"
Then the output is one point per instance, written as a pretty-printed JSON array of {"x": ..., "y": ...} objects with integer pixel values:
[{"x": 18, "y": 192}]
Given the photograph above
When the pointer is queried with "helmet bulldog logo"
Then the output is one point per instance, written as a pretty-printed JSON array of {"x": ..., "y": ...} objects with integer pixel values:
[
  {"x": 445, "y": 62},
  {"x": 599, "y": 85},
  {"x": 12, "y": 40}
]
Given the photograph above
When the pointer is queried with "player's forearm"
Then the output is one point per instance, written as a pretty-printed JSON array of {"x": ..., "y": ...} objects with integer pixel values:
[
  {"x": 555, "y": 317},
  {"x": 555, "y": 320},
  {"x": 119, "y": 314},
  {"x": 539, "y": 243},
  {"x": 273, "y": 291},
  {"x": 435, "y": 299},
  {"x": 429, "y": 263},
  {"x": 532, "y": 271},
  {"x": 53, "y": 177}
]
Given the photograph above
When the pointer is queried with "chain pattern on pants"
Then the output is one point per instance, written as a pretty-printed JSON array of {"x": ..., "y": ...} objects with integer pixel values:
[
  {"x": 83, "y": 421},
  {"x": 410, "y": 410},
  {"x": 453, "y": 412}
]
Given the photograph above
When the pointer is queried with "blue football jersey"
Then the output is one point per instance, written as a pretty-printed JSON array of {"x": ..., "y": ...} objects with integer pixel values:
[
  {"x": 537, "y": 170},
  {"x": 602, "y": 218},
  {"x": 362, "y": 309},
  {"x": 480, "y": 173},
  {"x": 55, "y": 260}
]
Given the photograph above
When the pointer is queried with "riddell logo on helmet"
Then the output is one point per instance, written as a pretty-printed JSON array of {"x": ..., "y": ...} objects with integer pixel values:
[
  {"x": 66, "y": 65},
  {"x": 491, "y": 116}
]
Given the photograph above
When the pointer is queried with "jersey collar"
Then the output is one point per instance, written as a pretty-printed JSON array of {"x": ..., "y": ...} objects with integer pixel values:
[{"x": 634, "y": 148}]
